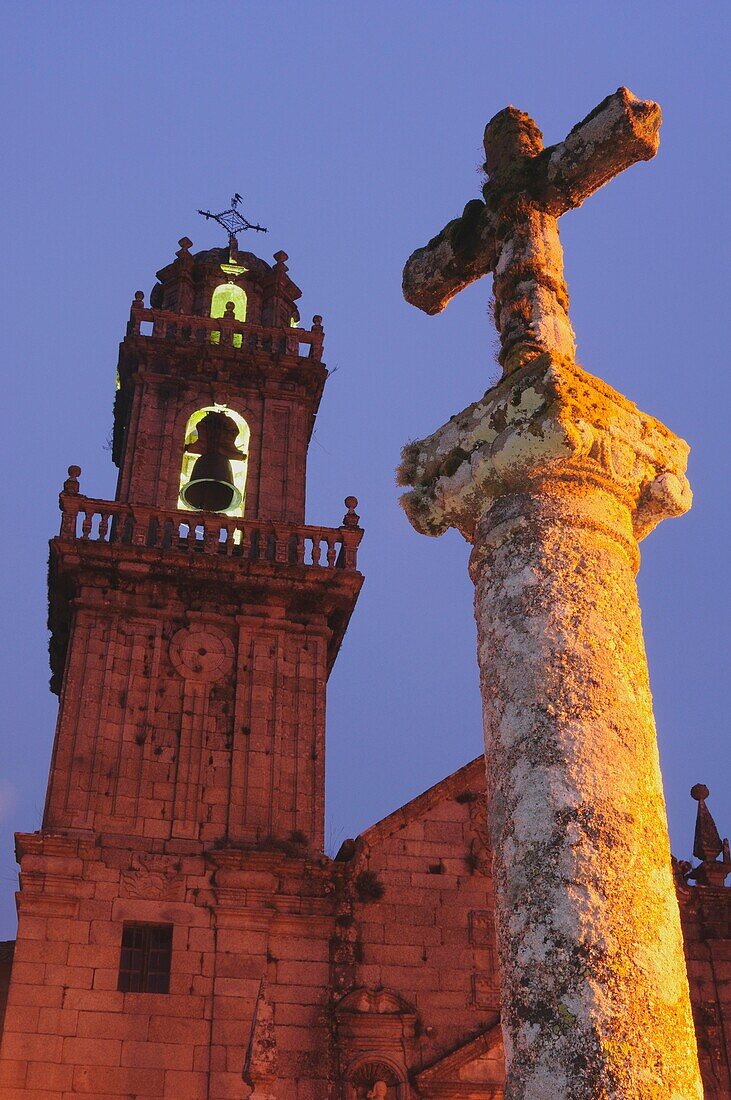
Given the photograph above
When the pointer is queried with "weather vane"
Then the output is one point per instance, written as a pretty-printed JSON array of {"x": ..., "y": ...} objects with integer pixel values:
[{"x": 231, "y": 220}]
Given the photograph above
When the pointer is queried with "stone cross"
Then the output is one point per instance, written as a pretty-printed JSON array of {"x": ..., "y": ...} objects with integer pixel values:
[
  {"x": 514, "y": 232},
  {"x": 554, "y": 478}
]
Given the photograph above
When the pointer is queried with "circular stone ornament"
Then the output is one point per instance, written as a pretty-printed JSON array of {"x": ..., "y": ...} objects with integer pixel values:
[{"x": 201, "y": 653}]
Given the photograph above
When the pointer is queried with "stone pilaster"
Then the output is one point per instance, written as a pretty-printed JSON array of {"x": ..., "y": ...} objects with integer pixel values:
[{"x": 555, "y": 478}]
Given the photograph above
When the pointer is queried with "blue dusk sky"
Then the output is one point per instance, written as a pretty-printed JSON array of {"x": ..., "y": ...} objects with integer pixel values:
[{"x": 353, "y": 131}]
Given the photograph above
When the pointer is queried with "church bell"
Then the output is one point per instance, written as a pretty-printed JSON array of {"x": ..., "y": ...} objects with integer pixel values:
[{"x": 211, "y": 486}]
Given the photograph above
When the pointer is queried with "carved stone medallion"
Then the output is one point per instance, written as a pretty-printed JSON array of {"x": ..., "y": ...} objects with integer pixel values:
[{"x": 202, "y": 652}]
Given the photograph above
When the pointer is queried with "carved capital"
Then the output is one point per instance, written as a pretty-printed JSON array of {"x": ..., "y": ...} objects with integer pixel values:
[{"x": 548, "y": 423}]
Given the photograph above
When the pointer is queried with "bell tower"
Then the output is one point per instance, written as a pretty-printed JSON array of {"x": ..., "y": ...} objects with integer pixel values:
[
  {"x": 176, "y": 901},
  {"x": 196, "y": 617}
]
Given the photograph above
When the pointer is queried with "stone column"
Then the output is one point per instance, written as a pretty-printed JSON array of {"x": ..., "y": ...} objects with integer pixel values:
[{"x": 555, "y": 478}]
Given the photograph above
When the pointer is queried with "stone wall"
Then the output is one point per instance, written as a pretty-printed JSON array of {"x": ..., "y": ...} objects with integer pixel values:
[
  {"x": 418, "y": 921},
  {"x": 705, "y": 914},
  {"x": 237, "y": 918},
  {"x": 204, "y": 724},
  {"x": 7, "y": 948}
]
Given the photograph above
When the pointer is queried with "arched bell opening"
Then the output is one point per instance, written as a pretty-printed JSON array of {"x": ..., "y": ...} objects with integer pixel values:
[
  {"x": 215, "y": 459},
  {"x": 222, "y": 295}
]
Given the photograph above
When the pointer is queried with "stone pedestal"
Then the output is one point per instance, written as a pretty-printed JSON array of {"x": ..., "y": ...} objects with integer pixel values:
[{"x": 555, "y": 478}]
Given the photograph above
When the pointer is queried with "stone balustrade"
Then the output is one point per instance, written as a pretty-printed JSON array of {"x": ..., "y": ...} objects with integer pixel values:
[
  {"x": 242, "y": 335},
  {"x": 121, "y": 524}
]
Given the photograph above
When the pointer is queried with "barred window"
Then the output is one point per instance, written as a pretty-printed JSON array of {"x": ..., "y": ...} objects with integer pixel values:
[{"x": 144, "y": 960}]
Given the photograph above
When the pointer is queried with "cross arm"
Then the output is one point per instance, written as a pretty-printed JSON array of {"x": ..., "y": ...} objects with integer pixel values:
[
  {"x": 615, "y": 135},
  {"x": 464, "y": 251}
]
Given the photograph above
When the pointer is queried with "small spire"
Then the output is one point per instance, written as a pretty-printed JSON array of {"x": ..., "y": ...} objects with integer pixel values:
[
  {"x": 707, "y": 841},
  {"x": 707, "y": 844}
]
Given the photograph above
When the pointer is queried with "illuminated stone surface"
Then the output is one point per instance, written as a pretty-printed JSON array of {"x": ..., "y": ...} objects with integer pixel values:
[
  {"x": 554, "y": 478},
  {"x": 558, "y": 478}
]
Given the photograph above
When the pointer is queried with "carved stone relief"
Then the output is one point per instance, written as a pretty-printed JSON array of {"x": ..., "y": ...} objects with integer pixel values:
[
  {"x": 374, "y": 1081},
  {"x": 152, "y": 877},
  {"x": 201, "y": 652}
]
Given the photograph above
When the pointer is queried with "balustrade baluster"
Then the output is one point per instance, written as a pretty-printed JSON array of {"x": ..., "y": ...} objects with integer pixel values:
[
  {"x": 69, "y": 516},
  {"x": 245, "y": 542},
  {"x": 127, "y": 528},
  {"x": 153, "y": 531},
  {"x": 104, "y": 525},
  {"x": 86, "y": 525},
  {"x": 349, "y": 555},
  {"x": 211, "y": 535},
  {"x": 139, "y": 529},
  {"x": 331, "y": 551},
  {"x": 281, "y": 545},
  {"x": 316, "y": 540}
]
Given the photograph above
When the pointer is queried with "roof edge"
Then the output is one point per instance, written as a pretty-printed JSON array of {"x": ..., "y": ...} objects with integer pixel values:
[{"x": 418, "y": 805}]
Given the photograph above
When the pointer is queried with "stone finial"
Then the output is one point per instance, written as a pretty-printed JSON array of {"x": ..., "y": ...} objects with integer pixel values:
[
  {"x": 351, "y": 518},
  {"x": 707, "y": 844},
  {"x": 135, "y": 314},
  {"x": 317, "y": 323},
  {"x": 230, "y": 314},
  {"x": 281, "y": 259},
  {"x": 71, "y": 484},
  {"x": 185, "y": 245}
]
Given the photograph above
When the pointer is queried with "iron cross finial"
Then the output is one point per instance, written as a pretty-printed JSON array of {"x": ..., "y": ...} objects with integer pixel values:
[{"x": 232, "y": 220}]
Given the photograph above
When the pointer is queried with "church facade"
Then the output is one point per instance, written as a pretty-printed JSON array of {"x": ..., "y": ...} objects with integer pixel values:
[{"x": 181, "y": 932}]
